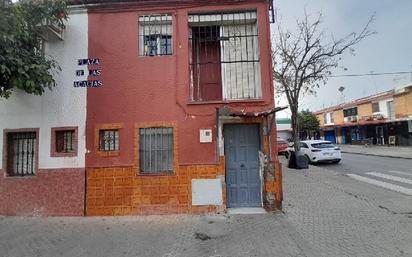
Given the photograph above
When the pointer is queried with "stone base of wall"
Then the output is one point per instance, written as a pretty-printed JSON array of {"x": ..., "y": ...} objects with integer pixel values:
[
  {"x": 121, "y": 191},
  {"x": 51, "y": 192}
]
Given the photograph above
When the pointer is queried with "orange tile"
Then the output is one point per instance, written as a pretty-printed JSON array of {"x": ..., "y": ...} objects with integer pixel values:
[
  {"x": 136, "y": 200},
  {"x": 183, "y": 199},
  {"x": 127, "y": 201}
]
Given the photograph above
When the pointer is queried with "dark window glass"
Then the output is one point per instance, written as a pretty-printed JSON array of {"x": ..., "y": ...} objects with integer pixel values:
[
  {"x": 350, "y": 112},
  {"x": 375, "y": 107},
  {"x": 65, "y": 141},
  {"x": 158, "y": 45},
  {"x": 323, "y": 145},
  {"x": 109, "y": 140},
  {"x": 156, "y": 150},
  {"x": 155, "y": 32}
]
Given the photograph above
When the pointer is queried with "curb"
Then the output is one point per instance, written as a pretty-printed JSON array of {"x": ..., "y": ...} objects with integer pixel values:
[{"x": 379, "y": 155}]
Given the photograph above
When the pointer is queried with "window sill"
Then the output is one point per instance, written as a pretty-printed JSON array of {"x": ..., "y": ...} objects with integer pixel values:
[
  {"x": 108, "y": 153},
  {"x": 258, "y": 100},
  {"x": 58, "y": 154},
  {"x": 156, "y": 56},
  {"x": 160, "y": 174},
  {"x": 8, "y": 176}
]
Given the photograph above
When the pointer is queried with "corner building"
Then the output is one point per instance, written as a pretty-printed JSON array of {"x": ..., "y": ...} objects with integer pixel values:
[{"x": 184, "y": 121}]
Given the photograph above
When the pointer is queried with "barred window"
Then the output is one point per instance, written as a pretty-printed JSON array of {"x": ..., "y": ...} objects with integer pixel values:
[
  {"x": 224, "y": 56},
  {"x": 155, "y": 35},
  {"x": 156, "y": 150},
  {"x": 65, "y": 141},
  {"x": 21, "y": 153},
  {"x": 109, "y": 140}
]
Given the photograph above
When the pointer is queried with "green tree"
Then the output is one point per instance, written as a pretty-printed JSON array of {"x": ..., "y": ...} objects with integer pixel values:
[
  {"x": 308, "y": 123},
  {"x": 23, "y": 64}
]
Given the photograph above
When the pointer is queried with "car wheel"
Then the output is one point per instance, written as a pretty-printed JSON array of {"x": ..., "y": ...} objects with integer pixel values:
[{"x": 307, "y": 157}]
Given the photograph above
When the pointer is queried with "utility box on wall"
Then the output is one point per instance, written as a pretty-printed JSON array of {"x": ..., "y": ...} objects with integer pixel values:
[
  {"x": 207, "y": 192},
  {"x": 206, "y": 136}
]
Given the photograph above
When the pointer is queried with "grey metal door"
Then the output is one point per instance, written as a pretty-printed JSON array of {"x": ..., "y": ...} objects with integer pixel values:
[{"x": 242, "y": 165}]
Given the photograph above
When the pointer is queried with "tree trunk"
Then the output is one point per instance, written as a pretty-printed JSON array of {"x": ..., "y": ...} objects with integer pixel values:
[{"x": 295, "y": 129}]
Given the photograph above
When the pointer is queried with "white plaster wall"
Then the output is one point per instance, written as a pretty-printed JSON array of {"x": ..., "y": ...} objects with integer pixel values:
[
  {"x": 328, "y": 120},
  {"x": 63, "y": 106},
  {"x": 383, "y": 107}
]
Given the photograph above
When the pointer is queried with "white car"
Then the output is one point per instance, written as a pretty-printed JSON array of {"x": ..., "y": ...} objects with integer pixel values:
[{"x": 318, "y": 151}]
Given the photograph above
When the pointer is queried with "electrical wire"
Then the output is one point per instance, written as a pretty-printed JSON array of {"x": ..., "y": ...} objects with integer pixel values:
[{"x": 371, "y": 74}]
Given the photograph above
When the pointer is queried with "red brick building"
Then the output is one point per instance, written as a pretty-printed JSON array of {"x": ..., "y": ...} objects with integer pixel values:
[
  {"x": 176, "y": 115},
  {"x": 185, "y": 108}
]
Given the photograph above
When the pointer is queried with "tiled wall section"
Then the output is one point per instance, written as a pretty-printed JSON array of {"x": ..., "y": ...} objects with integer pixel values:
[
  {"x": 51, "y": 192},
  {"x": 120, "y": 191}
]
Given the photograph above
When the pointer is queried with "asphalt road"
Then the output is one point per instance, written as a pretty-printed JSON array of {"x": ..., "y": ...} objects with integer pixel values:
[
  {"x": 390, "y": 173},
  {"x": 359, "y": 164}
]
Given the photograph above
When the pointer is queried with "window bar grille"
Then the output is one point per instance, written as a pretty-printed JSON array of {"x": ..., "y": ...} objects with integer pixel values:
[
  {"x": 155, "y": 32},
  {"x": 109, "y": 140},
  {"x": 237, "y": 36},
  {"x": 155, "y": 150},
  {"x": 21, "y": 153}
]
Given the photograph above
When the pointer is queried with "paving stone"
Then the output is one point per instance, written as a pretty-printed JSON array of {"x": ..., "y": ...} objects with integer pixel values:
[{"x": 325, "y": 214}]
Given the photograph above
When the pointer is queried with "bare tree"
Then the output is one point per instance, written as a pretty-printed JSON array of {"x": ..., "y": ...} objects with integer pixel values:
[{"x": 304, "y": 60}]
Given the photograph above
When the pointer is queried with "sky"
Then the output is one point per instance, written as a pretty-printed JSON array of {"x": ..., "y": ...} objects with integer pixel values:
[{"x": 390, "y": 50}]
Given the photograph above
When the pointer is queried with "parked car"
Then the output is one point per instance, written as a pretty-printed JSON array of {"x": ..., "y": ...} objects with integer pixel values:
[
  {"x": 318, "y": 151},
  {"x": 282, "y": 146}
]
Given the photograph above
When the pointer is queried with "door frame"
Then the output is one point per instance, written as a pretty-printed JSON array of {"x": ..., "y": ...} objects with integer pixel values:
[{"x": 260, "y": 140}]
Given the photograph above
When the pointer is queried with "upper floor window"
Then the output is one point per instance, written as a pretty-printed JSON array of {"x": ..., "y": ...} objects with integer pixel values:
[
  {"x": 328, "y": 118},
  {"x": 375, "y": 107},
  {"x": 350, "y": 112},
  {"x": 224, "y": 56},
  {"x": 155, "y": 35}
]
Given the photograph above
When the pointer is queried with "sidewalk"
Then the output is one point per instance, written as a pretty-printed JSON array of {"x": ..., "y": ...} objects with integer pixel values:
[{"x": 384, "y": 151}]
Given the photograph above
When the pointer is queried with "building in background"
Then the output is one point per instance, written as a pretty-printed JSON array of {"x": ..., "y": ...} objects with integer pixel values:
[
  {"x": 284, "y": 128},
  {"x": 43, "y": 146},
  {"x": 382, "y": 119}
]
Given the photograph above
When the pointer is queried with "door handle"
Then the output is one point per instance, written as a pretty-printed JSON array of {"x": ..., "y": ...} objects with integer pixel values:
[{"x": 242, "y": 165}]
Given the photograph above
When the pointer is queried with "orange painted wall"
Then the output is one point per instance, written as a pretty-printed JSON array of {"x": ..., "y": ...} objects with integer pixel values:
[
  {"x": 120, "y": 191},
  {"x": 365, "y": 109},
  {"x": 321, "y": 119},
  {"x": 403, "y": 105},
  {"x": 338, "y": 116}
]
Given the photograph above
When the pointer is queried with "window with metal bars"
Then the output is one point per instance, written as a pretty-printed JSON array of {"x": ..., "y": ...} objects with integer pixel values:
[
  {"x": 155, "y": 150},
  {"x": 65, "y": 141},
  {"x": 21, "y": 153},
  {"x": 224, "y": 56},
  {"x": 155, "y": 35},
  {"x": 109, "y": 140}
]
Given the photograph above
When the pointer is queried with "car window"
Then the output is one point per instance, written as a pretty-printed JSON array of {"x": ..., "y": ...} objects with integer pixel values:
[
  {"x": 280, "y": 142},
  {"x": 323, "y": 145},
  {"x": 303, "y": 145}
]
